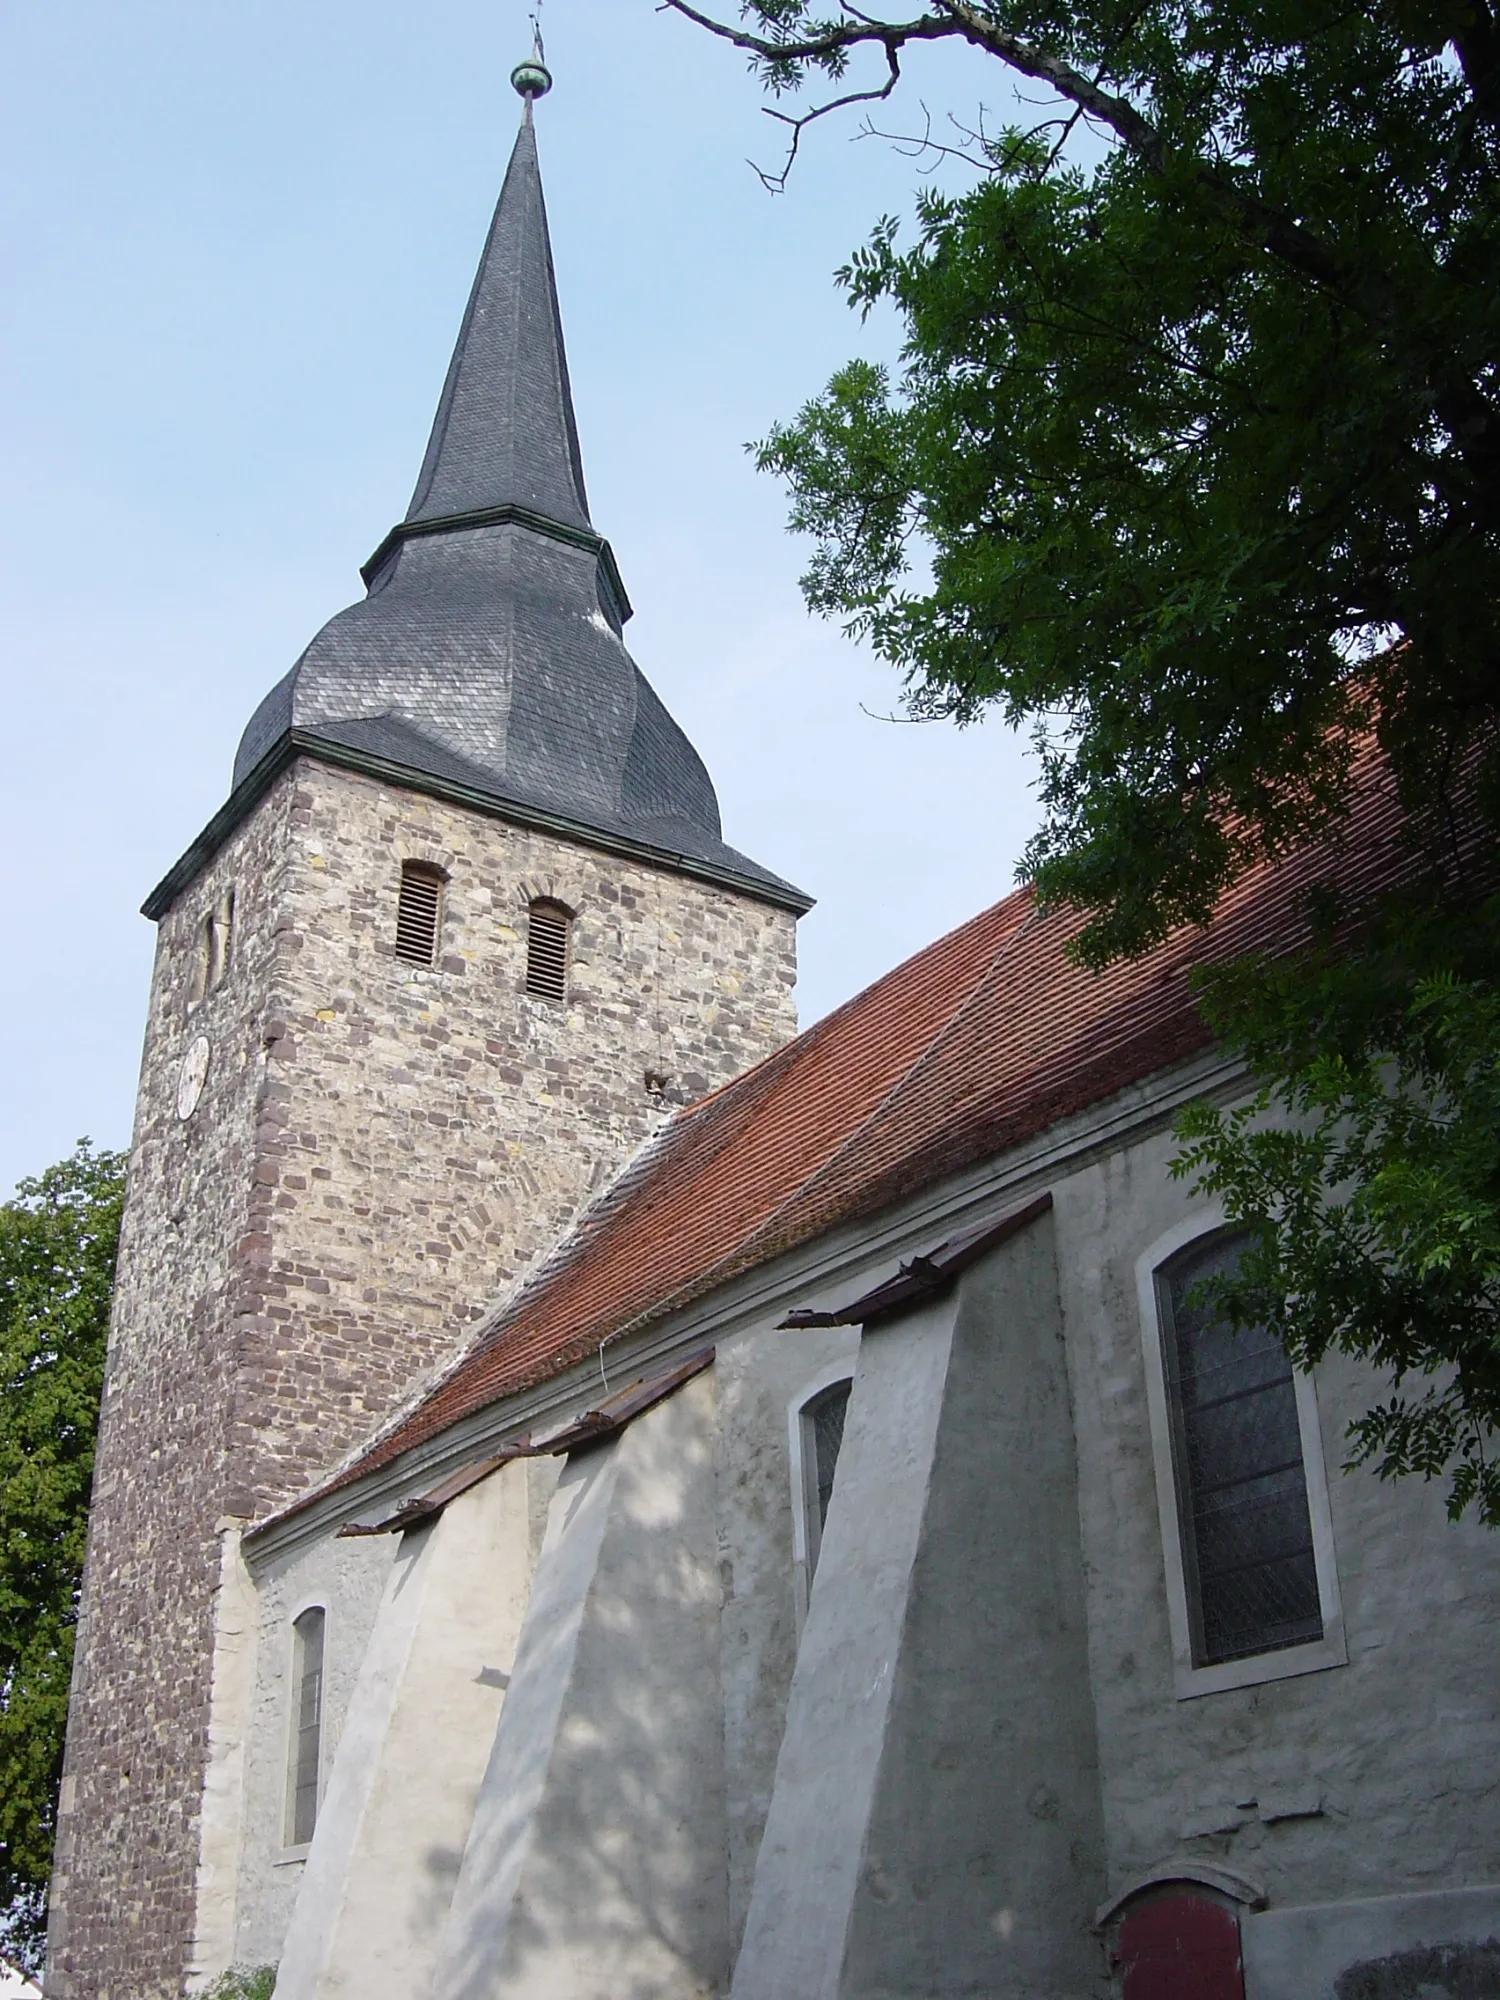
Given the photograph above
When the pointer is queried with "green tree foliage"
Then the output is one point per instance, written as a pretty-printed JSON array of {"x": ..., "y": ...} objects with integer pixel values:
[
  {"x": 1374, "y": 1222},
  {"x": 1191, "y": 465},
  {"x": 244, "y": 1982},
  {"x": 57, "y": 1257}
]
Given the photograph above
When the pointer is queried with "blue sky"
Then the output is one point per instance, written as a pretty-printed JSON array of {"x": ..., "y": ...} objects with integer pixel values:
[{"x": 237, "y": 243}]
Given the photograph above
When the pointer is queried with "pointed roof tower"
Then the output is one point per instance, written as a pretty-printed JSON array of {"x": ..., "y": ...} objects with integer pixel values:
[
  {"x": 486, "y": 662},
  {"x": 505, "y": 430}
]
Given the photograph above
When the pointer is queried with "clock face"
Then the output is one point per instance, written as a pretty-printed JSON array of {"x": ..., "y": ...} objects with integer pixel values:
[{"x": 192, "y": 1076}]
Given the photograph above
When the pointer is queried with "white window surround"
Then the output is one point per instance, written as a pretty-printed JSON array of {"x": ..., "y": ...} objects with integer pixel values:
[
  {"x": 804, "y": 1533},
  {"x": 1330, "y": 1650},
  {"x": 290, "y": 1851}
]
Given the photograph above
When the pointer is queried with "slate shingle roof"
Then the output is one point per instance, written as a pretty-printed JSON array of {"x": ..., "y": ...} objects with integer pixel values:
[
  {"x": 975, "y": 1045},
  {"x": 490, "y": 637}
]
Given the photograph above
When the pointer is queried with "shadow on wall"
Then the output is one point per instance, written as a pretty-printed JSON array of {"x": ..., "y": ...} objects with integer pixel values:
[
  {"x": 1437, "y": 1972},
  {"x": 621, "y": 1888}
]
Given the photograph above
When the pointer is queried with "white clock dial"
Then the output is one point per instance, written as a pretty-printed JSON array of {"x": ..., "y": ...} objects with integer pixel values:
[{"x": 192, "y": 1076}]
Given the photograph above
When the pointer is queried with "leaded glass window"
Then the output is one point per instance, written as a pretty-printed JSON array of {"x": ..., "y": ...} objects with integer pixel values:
[
  {"x": 822, "y": 1435},
  {"x": 305, "y": 1750},
  {"x": 1247, "y": 1545}
]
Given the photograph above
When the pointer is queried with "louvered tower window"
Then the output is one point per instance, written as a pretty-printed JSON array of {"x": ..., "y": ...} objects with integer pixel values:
[
  {"x": 547, "y": 950},
  {"x": 1247, "y": 1544},
  {"x": 419, "y": 912},
  {"x": 305, "y": 1750}
]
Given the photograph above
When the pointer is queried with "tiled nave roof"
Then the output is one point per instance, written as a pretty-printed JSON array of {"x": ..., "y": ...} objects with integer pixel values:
[{"x": 976, "y": 1044}]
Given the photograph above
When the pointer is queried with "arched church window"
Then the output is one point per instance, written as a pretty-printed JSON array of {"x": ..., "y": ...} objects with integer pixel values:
[
  {"x": 306, "y": 1746},
  {"x": 822, "y": 1425},
  {"x": 548, "y": 934},
  {"x": 419, "y": 912},
  {"x": 1248, "y": 1557}
]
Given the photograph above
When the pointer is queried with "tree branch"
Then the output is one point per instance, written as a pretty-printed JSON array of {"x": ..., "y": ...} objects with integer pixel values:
[
  {"x": 776, "y": 183},
  {"x": 1467, "y": 413},
  {"x": 959, "y": 19}
]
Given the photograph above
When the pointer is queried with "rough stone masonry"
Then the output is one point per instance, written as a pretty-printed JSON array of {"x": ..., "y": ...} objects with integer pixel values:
[{"x": 378, "y": 1149}]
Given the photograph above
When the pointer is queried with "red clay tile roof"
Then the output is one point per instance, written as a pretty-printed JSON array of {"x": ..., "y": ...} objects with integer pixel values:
[{"x": 979, "y": 1042}]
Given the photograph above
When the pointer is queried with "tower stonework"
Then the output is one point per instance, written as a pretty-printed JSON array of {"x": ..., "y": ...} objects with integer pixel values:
[{"x": 342, "y": 1155}]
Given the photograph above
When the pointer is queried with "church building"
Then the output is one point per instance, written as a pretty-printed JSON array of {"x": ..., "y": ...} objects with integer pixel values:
[{"x": 603, "y": 1497}]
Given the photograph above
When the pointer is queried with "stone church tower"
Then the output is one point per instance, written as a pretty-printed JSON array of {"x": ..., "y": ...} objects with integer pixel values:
[{"x": 463, "y": 928}]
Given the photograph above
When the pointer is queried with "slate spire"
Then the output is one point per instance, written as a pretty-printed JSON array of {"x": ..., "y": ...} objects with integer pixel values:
[
  {"x": 504, "y": 434},
  {"x": 487, "y": 661}
]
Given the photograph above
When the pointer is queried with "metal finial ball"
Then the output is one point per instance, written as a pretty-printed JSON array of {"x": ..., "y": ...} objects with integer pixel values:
[{"x": 531, "y": 78}]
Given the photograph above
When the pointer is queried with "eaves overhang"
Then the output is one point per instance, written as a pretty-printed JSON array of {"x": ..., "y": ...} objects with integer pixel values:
[
  {"x": 926, "y": 1276},
  {"x": 594, "y": 1427},
  {"x": 294, "y": 743}
]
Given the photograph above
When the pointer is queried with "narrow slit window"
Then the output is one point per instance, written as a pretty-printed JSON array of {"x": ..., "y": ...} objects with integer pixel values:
[
  {"x": 1242, "y": 1506},
  {"x": 547, "y": 939},
  {"x": 419, "y": 912},
  {"x": 220, "y": 939},
  {"x": 197, "y": 991},
  {"x": 211, "y": 949},
  {"x": 822, "y": 1439},
  {"x": 306, "y": 1748}
]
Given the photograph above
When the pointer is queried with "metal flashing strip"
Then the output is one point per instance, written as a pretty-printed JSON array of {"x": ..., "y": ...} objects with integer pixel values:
[
  {"x": 620, "y": 1409},
  {"x": 924, "y": 1276},
  {"x": 423, "y": 1506},
  {"x": 295, "y": 743},
  {"x": 607, "y": 1420},
  {"x": 507, "y": 514}
]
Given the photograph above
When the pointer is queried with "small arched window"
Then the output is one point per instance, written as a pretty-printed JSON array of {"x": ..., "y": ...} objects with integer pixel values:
[
  {"x": 419, "y": 912},
  {"x": 305, "y": 1749},
  {"x": 548, "y": 934},
  {"x": 822, "y": 1425}
]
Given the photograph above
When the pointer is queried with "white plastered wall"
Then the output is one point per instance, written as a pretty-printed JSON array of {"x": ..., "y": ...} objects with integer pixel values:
[
  {"x": 400, "y": 1798},
  {"x": 348, "y": 1579},
  {"x": 1363, "y": 1779},
  {"x": 1302, "y": 1785}
]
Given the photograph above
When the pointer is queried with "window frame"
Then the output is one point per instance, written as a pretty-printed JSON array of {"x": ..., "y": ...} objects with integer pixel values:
[
  {"x": 553, "y": 906},
  {"x": 1315, "y": 1654},
  {"x": 291, "y": 1848},
  {"x": 807, "y": 1532},
  {"x": 415, "y": 868}
]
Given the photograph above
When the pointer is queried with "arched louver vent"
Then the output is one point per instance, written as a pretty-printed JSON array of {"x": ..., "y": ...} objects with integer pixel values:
[
  {"x": 419, "y": 912},
  {"x": 547, "y": 951}
]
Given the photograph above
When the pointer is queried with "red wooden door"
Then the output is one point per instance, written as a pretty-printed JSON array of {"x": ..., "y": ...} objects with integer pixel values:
[{"x": 1180, "y": 1947}]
